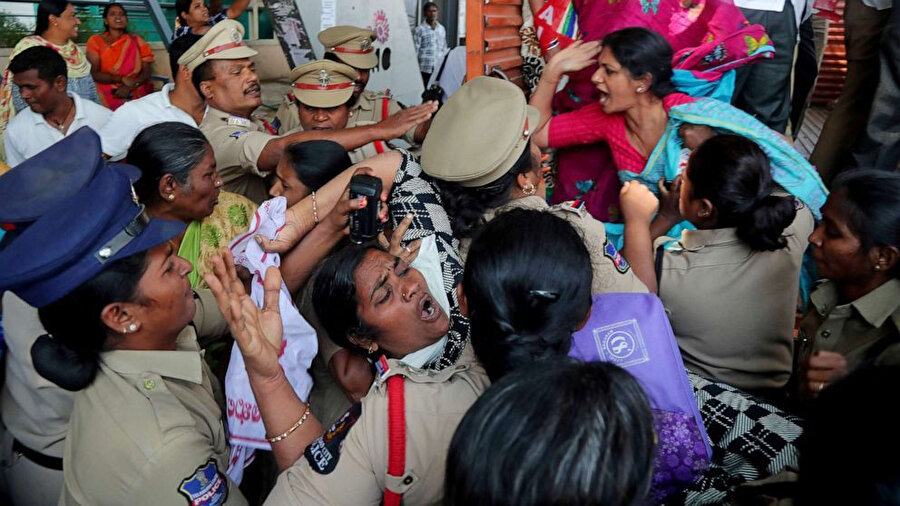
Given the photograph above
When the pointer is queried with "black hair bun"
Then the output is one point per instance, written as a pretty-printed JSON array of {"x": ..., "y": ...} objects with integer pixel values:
[{"x": 62, "y": 365}]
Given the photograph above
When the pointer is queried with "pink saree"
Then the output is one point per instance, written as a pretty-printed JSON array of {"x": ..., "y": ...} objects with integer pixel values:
[{"x": 708, "y": 37}]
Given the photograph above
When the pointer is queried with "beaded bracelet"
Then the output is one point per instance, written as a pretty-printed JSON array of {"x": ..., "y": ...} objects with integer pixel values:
[
  {"x": 292, "y": 429},
  {"x": 315, "y": 209}
]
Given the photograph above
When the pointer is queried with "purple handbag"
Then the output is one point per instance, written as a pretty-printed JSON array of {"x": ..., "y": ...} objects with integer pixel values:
[{"x": 632, "y": 331}]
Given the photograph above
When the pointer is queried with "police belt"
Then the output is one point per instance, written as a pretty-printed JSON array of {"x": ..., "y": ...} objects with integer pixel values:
[{"x": 38, "y": 458}]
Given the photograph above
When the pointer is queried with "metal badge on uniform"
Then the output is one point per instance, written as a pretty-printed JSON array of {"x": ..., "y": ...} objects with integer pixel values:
[
  {"x": 238, "y": 121},
  {"x": 382, "y": 367},
  {"x": 206, "y": 487},
  {"x": 610, "y": 251},
  {"x": 324, "y": 79},
  {"x": 323, "y": 453}
]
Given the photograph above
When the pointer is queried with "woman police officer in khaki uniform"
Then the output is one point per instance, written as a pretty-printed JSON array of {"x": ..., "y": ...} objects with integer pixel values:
[
  {"x": 35, "y": 411},
  {"x": 146, "y": 426},
  {"x": 463, "y": 160}
]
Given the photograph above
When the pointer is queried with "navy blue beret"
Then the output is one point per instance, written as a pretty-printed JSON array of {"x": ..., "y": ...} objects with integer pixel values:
[{"x": 76, "y": 239}]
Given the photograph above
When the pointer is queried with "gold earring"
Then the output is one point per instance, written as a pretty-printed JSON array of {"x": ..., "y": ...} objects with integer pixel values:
[
  {"x": 529, "y": 190},
  {"x": 171, "y": 197},
  {"x": 703, "y": 214},
  {"x": 640, "y": 89},
  {"x": 877, "y": 267}
]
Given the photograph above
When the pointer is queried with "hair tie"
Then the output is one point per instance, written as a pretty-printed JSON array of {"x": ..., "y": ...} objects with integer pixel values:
[{"x": 544, "y": 295}]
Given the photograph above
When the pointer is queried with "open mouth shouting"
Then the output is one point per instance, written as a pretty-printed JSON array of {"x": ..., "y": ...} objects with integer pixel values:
[{"x": 429, "y": 310}]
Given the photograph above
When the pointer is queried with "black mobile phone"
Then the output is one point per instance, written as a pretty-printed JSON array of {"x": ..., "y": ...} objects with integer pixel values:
[{"x": 364, "y": 223}]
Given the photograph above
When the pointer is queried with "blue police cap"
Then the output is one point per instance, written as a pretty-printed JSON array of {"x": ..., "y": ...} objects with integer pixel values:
[
  {"x": 79, "y": 238},
  {"x": 39, "y": 183}
]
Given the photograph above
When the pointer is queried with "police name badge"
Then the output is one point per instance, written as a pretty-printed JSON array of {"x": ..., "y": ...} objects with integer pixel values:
[{"x": 238, "y": 121}]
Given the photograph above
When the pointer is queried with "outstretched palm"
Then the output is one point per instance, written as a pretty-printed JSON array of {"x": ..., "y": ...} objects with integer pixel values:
[{"x": 258, "y": 332}]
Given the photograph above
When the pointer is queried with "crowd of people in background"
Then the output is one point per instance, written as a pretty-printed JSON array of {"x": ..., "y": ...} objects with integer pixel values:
[{"x": 618, "y": 283}]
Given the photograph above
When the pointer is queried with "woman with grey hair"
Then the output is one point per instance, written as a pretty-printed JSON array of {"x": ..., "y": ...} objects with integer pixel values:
[{"x": 179, "y": 182}]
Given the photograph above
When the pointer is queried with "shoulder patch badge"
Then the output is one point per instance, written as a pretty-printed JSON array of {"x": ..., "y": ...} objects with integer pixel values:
[
  {"x": 610, "y": 251},
  {"x": 206, "y": 487},
  {"x": 323, "y": 453}
]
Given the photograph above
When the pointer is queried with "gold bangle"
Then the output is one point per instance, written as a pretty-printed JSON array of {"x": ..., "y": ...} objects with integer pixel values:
[
  {"x": 315, "y": 209},
  {"x": 292, "y": 429}
]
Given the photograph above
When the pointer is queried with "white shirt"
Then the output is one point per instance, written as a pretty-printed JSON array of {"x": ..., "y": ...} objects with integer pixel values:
[
  {"x": 29, "y": 133},
  {"x": 133, "y": 117}
]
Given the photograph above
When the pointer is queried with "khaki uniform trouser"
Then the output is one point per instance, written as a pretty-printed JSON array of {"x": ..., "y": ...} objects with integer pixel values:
[{"x": 22, "y": 482}]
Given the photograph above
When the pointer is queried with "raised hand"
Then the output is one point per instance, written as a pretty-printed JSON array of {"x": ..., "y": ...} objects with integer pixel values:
[
  {"x": 258, "y": 332},
  {"x": 395, "y": 247},
  {"x": 638, "y": 202},
  {"x": 401, "y": 121},
  {"x": 669, "y": 198},
  {"x": 579, "y": 55}
]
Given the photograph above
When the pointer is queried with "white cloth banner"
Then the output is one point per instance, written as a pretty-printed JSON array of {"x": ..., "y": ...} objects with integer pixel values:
[{"x": 245, "y": 427}]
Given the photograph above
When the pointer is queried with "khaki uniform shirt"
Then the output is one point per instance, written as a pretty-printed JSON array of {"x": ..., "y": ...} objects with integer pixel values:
[
  {"x": 149, "y": 430},
  {"x": 733, "y": 309},
  {"x": 612, "y": 273},
  {"x": 356, "y": 455},
  {"x": 34, "y": 410},
  {"x": 361, "y": 153},
  {"x": 237, "y": 143},
  {"x": 368, "y": 110},
  {"x": 865, "y": 329}
]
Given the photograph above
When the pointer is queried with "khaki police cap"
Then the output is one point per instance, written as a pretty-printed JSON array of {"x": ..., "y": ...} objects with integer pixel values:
[
  {"x": 480, "y": 132},
  {"x": 323, "y": 83},
  {"x": 352, "y": 45},
  {"x": 224, "y": 41}
]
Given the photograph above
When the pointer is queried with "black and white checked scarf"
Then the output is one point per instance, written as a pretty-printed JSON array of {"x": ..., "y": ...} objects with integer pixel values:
[
  {"x": 750, "y": 440},
  {"x": 413, "y": 194}
]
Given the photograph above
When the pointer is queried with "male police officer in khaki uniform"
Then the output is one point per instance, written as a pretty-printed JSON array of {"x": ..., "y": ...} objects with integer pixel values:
[
  {"x": 322, "y": 90},
  {"x": 246, "y": 150},
  {"x": 480, "y": 134},
  {"x": 353, "y": 46}
]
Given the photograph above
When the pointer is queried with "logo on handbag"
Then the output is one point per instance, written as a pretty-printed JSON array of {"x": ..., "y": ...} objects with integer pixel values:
[{"x": 621, "y": 343}]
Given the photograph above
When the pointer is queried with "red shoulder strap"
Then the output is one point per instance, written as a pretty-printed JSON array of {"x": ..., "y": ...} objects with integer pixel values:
[
  {"x": 396, "y": 436},
  {"x": 385, "y": 111}
]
